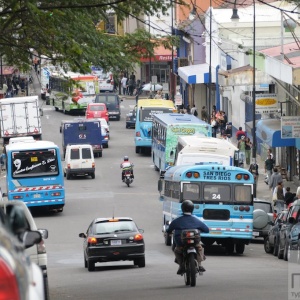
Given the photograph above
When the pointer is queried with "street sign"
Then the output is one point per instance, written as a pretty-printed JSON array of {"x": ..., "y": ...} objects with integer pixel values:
[{"x": 154, "y": 79}]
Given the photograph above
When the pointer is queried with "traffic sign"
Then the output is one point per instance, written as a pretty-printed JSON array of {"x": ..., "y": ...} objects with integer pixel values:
[{"x": 154, "y": 79}]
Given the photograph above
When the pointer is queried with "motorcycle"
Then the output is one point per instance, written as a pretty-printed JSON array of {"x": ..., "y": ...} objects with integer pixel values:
[
  {"x": 190, "y": 238},
  {"x": 127, "y": 178}
]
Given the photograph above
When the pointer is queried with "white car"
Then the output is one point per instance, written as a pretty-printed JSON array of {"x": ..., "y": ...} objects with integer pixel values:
[
  {"x": 105, "y": 125},
  {"x": 36, "y": 252}
]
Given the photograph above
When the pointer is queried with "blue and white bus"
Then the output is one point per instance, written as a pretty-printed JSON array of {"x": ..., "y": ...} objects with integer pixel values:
[
  {"x": 145, "y": 110},
  {"x": 223, "y": 198},
  {"x": 34, "y": 174},
  {"x": 165, "y": 132}
]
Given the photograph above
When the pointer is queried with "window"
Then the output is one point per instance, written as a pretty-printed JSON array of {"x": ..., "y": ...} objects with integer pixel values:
[
  {"x": 86, "y": 153},
  {"x": 242, "y": 193},
  {"x": 217, "y": 193},
  {"x": 74, "y": 154},
  {"x": 96, "y": 108},
  {"x": 112, "y": 227},
  {"x": 34, "y": 163},
  {"x": 191, "y": 191}
]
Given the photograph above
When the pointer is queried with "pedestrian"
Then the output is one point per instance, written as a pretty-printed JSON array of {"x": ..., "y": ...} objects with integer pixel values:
[
  {"x": 130, "y": 86},
  {"x": 214, "y": 126},
  {"x": 254, "y": 170},
  {"x": 204, "y": 116},
  {"x": 194, "y": 110},
  {"x": 269, "y": 165},
  {"x": 279, "y": 197},
  {"x": 4, "y": 89},
  {"x": 228, "y": 131},
  {"x": 275, "y": 178},
  {"x": 242, "y": 147},
  {"x": 158, "y": 95},
  {"x": 188, "y": 109},
  {"x": 124, "y": 84},
  {"x": 132, "y": 76},
  {"x": 240, "y": 133},
  {"x": 269, "y": 152},
  {"x": 289, "y": 196},
  {"x": 248, "y": 147}
]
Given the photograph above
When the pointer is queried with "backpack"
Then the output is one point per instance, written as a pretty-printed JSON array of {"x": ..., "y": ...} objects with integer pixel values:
[{"x": 195, "y": 113}]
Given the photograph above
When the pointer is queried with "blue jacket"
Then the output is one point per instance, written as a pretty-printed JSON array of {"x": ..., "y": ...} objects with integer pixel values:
[{"x": 185, "y": 222}]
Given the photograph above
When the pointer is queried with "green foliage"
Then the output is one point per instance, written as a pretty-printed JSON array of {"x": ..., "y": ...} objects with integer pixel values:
[{"x": 65, "y": 32}]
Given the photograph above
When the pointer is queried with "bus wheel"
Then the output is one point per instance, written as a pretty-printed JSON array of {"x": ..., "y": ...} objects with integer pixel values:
[
  {"x": 239, "y": 248},
  {"x": 68, "y": 176},
  {"x": 137, "y": 149}
]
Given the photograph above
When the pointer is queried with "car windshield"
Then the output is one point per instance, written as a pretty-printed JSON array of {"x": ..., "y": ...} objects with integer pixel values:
[
  {"x": 113, "y": 227},
  {"x": 263, "y": 206}
]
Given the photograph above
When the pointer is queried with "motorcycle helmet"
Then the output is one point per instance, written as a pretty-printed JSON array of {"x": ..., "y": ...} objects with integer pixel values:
[
  {"x": 126, "y": 158},
  {"x": 187, "y": 206}
]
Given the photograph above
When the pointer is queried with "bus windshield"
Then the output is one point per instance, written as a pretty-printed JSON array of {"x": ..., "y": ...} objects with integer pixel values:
[
  {"x": 146, "y": 114},
  {"x": 34, "y": 163}
]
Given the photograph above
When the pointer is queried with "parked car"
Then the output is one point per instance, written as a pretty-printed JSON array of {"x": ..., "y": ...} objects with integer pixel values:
[
  {"x": 96, "y": 110},
  {"x": 79, "y": 160},
  {"x": 21, "y": 279},
  {"x": 294, "y": 244},
  {"x": 293, "y": 217},
  {"x": 113, "y": 239},
  {"x": 271, "y": 240},
  {"x": 112, "y": 102},
  {"x": 130, "y": 119},
  {"x": 263, "y": 216},
  {"x": 36, "y": 252}
]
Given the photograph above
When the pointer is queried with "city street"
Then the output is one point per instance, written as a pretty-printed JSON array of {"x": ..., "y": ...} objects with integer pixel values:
[{"x": 249, "y": 276}]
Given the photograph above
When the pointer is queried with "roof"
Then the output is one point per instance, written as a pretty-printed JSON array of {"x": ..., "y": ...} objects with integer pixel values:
[
  {"x": 30, "y": 145},
  {"x": 155, "y": 103},
  {"x": 176, "y": 119},
  {"x": 291, "y": 54}
]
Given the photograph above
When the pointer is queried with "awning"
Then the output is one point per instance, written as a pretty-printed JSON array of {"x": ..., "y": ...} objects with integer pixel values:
[
  {"x": 197, "y": 74},
  {"x": 7, "y": 70},
  {"x": 269, "y": 131}
]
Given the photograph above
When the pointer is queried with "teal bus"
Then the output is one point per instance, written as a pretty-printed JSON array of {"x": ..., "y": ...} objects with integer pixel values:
[
  {"x": 167, "y": 128},
  {"x": 145, "y": 110},
  {"x": 223, "y": 198}
]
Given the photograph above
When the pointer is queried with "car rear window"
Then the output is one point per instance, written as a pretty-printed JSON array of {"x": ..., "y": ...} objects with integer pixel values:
[
  {"x": 113, "y": 227},
  {"x": 74, "y": 153},
  {"x": 86, "y": 153},
  {"x": 263, "y": 206},
  {"x": 96, "y": 108}
]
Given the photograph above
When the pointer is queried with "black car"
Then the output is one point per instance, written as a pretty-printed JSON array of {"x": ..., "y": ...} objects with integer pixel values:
[
  {"x": 112, "y": 101},
  {"x": 271, "y": 241},
  {"x": 285, "y": 230},
  {"x": 130, "y": 119},
  {"x": 113, "y": 239}
]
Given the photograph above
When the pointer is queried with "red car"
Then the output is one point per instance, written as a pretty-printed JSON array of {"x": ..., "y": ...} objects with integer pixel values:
[{"x": 96, "y": 110}]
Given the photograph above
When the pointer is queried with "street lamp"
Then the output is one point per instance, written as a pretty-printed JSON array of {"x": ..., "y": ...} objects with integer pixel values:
[
  {"x": 210, "y": 46},
  {"x": 253, "y": 92}
]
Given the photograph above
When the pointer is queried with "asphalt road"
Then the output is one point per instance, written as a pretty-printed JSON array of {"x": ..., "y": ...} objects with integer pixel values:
[{"x": 254, "y": 275}]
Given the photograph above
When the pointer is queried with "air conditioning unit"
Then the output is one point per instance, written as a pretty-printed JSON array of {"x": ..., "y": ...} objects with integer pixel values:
[{"x": 183, "y": 62}]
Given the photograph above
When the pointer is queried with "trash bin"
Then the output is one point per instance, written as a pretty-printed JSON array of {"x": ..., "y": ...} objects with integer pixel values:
[{"x": 47, "y": 100}]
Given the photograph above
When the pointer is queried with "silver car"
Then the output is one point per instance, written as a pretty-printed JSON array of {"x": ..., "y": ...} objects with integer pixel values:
[{"x": 263, "y": 216}]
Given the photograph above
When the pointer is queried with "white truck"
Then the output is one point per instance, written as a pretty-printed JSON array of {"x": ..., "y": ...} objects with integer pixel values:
[{"x": 20, "y": 117}]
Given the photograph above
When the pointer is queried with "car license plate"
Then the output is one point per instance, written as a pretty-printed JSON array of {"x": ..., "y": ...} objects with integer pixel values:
[
  {"x": 116, "y": 242},
  {"x": 216, "y": 232},
  {"x": 254, "y": 233},
  {"x": 37, "y": 196}
]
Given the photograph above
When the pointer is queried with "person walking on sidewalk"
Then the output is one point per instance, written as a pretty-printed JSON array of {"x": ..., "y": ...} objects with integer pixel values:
[
  {"x": 275, "y": 178},
  {"x": 269, "y": 165},
  {"x": 242, "y": 147},
  {"x": 248, "y": 146}
]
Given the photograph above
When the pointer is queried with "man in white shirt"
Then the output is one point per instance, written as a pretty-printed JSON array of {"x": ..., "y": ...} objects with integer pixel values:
[{"x": 124, "y": 84}]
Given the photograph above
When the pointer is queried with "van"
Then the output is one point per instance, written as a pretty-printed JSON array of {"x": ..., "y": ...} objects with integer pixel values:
[
  {"x": 112, "y": 102},
  {"x": 79, "y": 160}
]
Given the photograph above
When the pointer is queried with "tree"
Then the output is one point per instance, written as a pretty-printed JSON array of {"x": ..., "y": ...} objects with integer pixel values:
[{"x": 65, "y": 32}]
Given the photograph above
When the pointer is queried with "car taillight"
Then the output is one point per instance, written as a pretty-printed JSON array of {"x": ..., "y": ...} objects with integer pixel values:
[
  {"x": 92, "y": 240},
  {"x": 17, "y": 197},
  {"x": 138, "y": 237},
  {"x": 274, "y": 216},
  {"x": 55, "y": 194},
  {"x": 93, "y": 165},
  {"x": 41, "y": 248},
  {"x": 8, "y": 282}
]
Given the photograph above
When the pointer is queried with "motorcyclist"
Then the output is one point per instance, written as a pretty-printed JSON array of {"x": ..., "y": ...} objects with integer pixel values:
[
  {"x": 187, "y": 221},
  {"x": 126, "y": 165}
]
